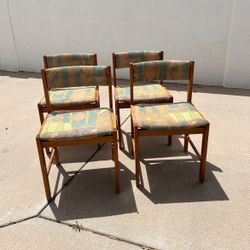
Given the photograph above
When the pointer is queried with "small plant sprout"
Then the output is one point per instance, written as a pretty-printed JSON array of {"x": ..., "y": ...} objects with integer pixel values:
[{"x": 76, "y": 227}]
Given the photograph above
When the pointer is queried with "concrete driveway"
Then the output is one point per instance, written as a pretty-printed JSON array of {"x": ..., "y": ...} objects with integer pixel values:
[{"x": 172, "y": 211}]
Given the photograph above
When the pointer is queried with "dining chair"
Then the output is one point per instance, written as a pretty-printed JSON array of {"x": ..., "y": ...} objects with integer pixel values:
[
  {"x": 71, "y": 98},
  {"x": 145, "y": 92},
  {"x": 181, "y": 118},
  {"x": 64, "y": 128}
]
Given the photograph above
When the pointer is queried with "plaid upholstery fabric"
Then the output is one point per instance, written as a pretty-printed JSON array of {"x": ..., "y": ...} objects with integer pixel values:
[
  {"x": 70, "y": 60},
  {"x": 77, "y": 125},
  {"x": 149, "y": 92},
  {"x": 71, "y": 96},
  {"x": 123, "y": 59},
  {"x": 161, "y": 70},
  {"x": 168, "y": 116},
  {"x": 76, "y": 76}
]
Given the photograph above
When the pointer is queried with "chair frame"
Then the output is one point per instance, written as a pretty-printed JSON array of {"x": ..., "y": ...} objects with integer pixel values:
[
  {"x": 44, "y": 109},
  {"x": 54, "y": 157},
  {"x": 186, "y": 132},
  {"x": 124, "y": 105}
]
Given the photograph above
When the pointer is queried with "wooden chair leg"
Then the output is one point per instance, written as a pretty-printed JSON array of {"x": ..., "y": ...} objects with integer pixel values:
[
  {"x": 57, "y": 161},
  {"x": 170, "y": 136},
  {"x": 112, "y": 151},
  {"x": 132, "y": 128},
  {"x": 185, "y": 143},
  {"x": 137, "y": 159},
  {"x": 40, "y": 112},
  {"x": 132, "y": 136},
  {"x": 119, "y": 126},
  {"x": 41, "y": 117},
  {"x": 98, "y": 106},
  {"x": 116, "y": 161},
  {"x": 204, "y": 154},
  {"x": 44, "y": 170},
  {"x": 169, "y": 140}
]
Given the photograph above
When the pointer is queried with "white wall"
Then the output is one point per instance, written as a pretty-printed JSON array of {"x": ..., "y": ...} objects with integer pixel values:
[
  {"x": 195, "y": 29},
  {"x": 237, "y": 72},
  {"x": 8, "y": 58}
]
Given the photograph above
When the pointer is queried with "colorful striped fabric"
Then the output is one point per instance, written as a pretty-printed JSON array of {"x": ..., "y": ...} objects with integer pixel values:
[
  {"x": 144, "y": 93},
  {"x": 71, "y": 96},
  {"x": 77, "y": 125},
  {"x": 171, "y": 116},
  {"x": 161, "y": 70},
  {"x": 70, "y": 60},
  {"x": 123, "y": 59},
  {"x": 76, "y": 76}
]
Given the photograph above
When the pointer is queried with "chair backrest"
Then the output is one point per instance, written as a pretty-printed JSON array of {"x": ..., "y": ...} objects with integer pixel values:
[
  {"x": 73, "y": 76},
  {"x": 162, "y": 70},
  {"x": 123, "y": 59},
  {"x": 60, "y": 60}
]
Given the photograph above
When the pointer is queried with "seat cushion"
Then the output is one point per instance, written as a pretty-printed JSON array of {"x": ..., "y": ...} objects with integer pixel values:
[
  {"x": 144, "y": 93},
  {"x": 74, "y": 96},
  {"x": 172, "y": 116},
  {"x": 77, "y": 125}
]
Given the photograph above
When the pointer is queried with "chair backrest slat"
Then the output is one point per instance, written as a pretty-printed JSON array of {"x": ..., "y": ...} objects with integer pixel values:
[
  {"x": 60, "y": 60},
  {"x": 162, "y": 70},
  {"x": 72, "y": 76},
  {"x": 123, "y": 59}
]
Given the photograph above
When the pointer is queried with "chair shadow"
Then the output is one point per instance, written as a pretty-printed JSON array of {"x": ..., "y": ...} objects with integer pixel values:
[
  {"x": 176, "y": 181},
  {"x": 81, "y": 153},
  {"x": 20, "y": 74},
  {"x": 171, "y": 175},
  {"x": 146, "y": 144},
  {"x": 210, "y": 89},
  {"x": 92, "y": 194}
]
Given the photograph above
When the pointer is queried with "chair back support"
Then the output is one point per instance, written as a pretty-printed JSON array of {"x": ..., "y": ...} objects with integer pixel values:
[
  {"x": 123, "y": 59},
  {"x": 72, "y": 76},
  {"x": 60, "y": 60},
  {"x": 162, "y": 70}
]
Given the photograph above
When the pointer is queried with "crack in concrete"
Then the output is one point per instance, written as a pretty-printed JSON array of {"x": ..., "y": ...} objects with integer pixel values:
[
  {"x": 18, "y": 221},
  {"x": 125, "y": 120},
  {"x": 112, "y": 237},
  {"x": 71, "y": 178},
  {"x": 53, "y": 198},
  {"x": 38, "y": 215}
]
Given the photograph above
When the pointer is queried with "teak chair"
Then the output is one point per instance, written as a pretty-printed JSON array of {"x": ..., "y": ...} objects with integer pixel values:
[
  {"x": 145, "y": 93},
  {"x": 71, "y": 98},
  {"x": 64, "y": 128},
  {"x": 170, "y": 118}
]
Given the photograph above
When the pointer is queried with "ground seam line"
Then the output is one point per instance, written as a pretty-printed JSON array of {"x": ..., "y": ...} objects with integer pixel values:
[
  {"x": 71, "y": 179},
  {"x": 98, "y": 233},
  {"x": 46, "y": 205},
  {"x": 18, "y": 221},
  {"x": 38, "y": 215}
]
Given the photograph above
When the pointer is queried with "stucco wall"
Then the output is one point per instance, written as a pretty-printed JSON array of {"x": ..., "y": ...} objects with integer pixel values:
[
  {"x": 8, "y": 58},
  {"x": 237, "y": 70},
  {"x": 205, "y": 31}
]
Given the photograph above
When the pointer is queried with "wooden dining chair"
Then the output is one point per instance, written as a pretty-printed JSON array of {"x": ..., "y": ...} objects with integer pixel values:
[
  {"x": 181, "y": 118},
  {"x": 71, "y": 98},
  {"x": 145, "y": 92},
  {"x": 65, "y": 128}
]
